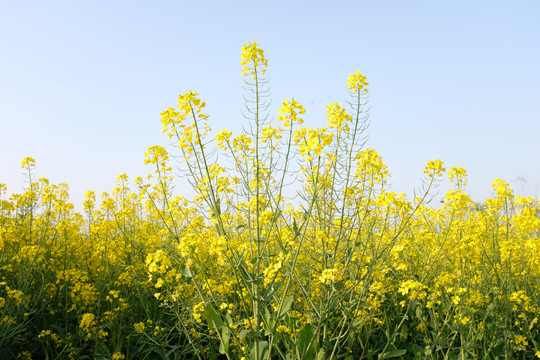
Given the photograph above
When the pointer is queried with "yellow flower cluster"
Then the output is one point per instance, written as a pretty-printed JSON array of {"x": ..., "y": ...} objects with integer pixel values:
[
  {"x": 312, "y": 141},
  {"x": 371, "y": 168},
  {"x": 327, "y": 276},
  {"x": 289, "y": 113},
  {"x": 502, "y": 189},
  {"x": 190, "y": 107},
  {"x": 337, "y": 117},
  {"x": 270, "y": 132},
  {"x": 253, "y": 57},
  {"x": 434, "y": 168},
  {"x": 337, "y": 264},
  {"x": 357, "y": 83},
  {"x": 458, "y": 176},
  {"x": 223, "y": 138},
  {"x": 28, "y": 163}
]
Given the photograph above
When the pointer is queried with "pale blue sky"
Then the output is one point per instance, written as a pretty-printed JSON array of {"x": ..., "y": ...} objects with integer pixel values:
[{"x": 82, "y": 83}]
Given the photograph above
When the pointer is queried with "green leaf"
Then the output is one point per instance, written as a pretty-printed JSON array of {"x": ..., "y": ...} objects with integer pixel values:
[
  {"x": 416, "y": 349},
  {"x": 306, "y": 335},
  {"x": 225, "y": 337},
  {"x": 243, "y": 333},
  {"x": 213, "y": 318},
  {"x": 321, "y": 355},
  {"x": 394, "y": 353},
  {"x": 275, "y": 289},
  {"x": 295, "y": 228},
  {"x": 268, "y": 323},
  {"x": 276, "y": 216},
  {"x": 358, "y": 322},
  {"x": 285, "y": 307},
  {"x": 186, "y": 272},
  {"x": 263, "y": 349},
  {"x": 404, "y": 333},
  {"x": 246, "y": 275}
]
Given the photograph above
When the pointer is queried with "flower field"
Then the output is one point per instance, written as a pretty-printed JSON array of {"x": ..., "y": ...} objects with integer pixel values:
[{"x": 294, "y": 247}]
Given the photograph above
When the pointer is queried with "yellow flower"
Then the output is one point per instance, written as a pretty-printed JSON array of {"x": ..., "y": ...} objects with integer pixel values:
[
  {"x": 222, "y": 139},
  {"x": 357, "y": 83},
  {"x": 139, "y": 327},
  {"x": 28, "y": 163},
  {"x": 24, "y": 355},
  {"x": 289, "y": 113},
  {"x": 414, "y": 289},
  {"x": 270, "y": 132},
  {"x": 370, "y": 167},
  {"x": 338, "y": 117},
  {"x": 315, "y": 140},
  {"x": 328, "y": 275},
  {"x": 252, "y": 53},
  {"x": 197, "y": 311},
  {"x": 89, "y": 200},
  {"x": 434, "y": 167},
  {"x": 502, "y": 189},
  {"x": 242, "y": 143},
  {"x": 156, "y": 155},
  {"x": 458, "y": 176},
  {"x": 87, "y": 321},
  {"x": 189, "y": 106},
  {"x": 159, "y": 283},
  {"x": 520, "y": 341},
  {"x": 385, "y": 199},
  {"x": 52, "y": 335}
]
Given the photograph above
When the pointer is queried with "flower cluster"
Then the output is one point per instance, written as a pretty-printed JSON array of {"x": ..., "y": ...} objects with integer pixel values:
[
  {"x": 357, "y": 83},
  {"x": 336, "y": 265},
  {"x": 289, "y": 113},
  {"x": 253, "y": 59}
]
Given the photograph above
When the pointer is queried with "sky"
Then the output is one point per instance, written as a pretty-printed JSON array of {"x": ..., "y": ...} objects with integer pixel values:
[{"x": 83, "y": 83}]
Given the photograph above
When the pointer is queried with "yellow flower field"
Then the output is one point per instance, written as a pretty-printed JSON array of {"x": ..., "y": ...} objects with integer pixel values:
[{"x": 293, "y": 248}]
